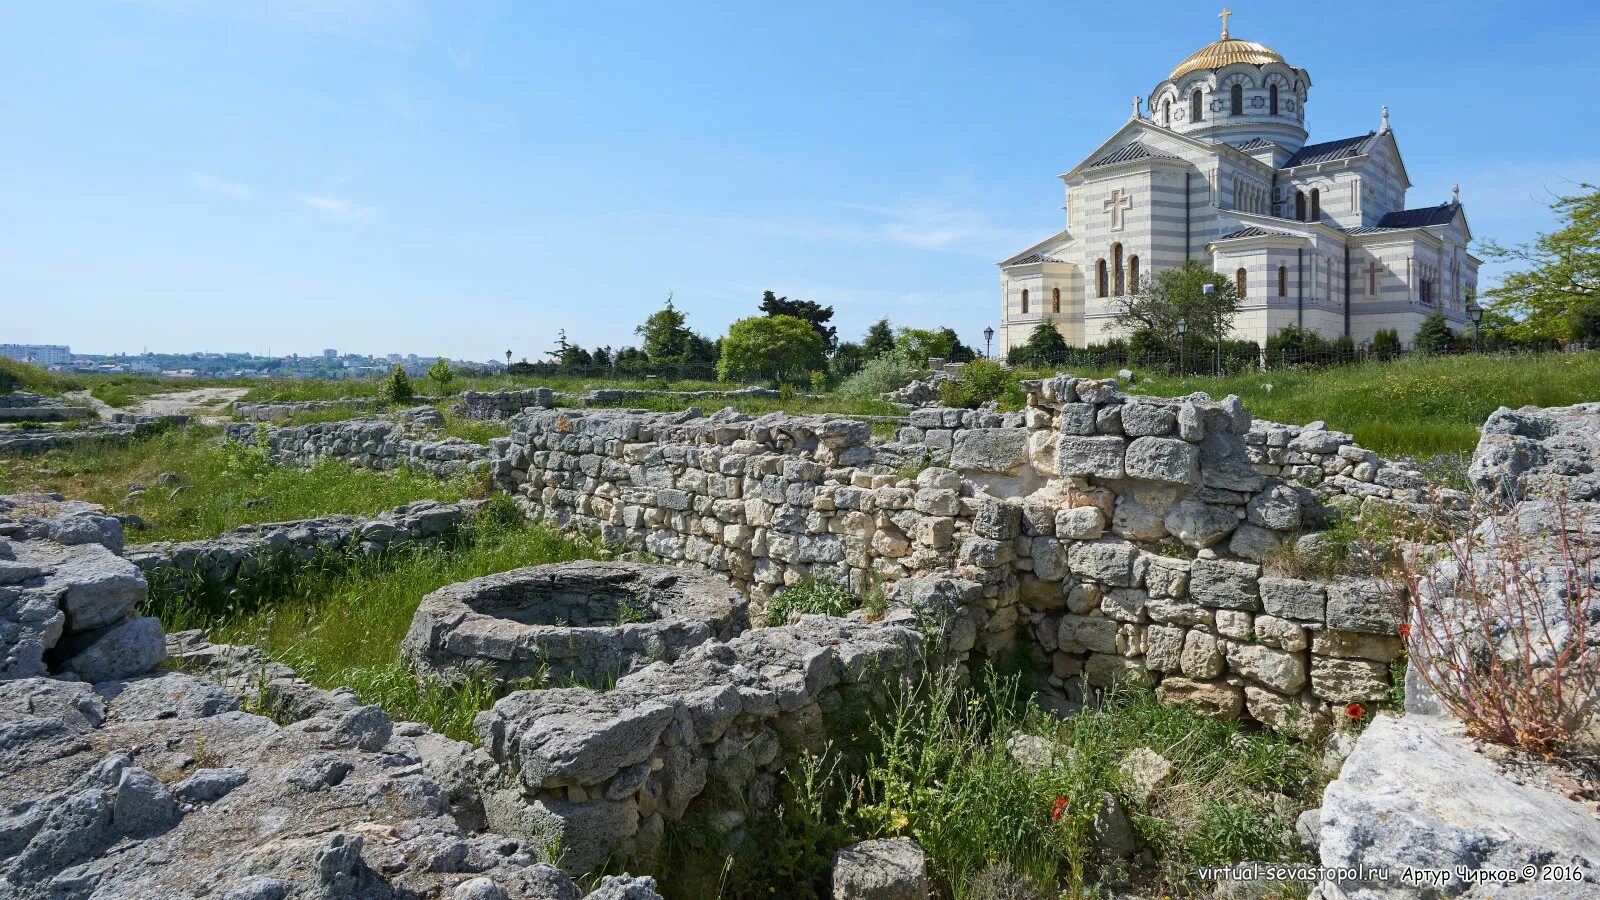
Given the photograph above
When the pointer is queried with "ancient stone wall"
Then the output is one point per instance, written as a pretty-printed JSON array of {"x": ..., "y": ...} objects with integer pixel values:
[
  {"x": 365, "y": 443},
  {"x": 222, "y": 562},
  {"x": 277, "y": 411},
  {"x": 1122, "y": 536},
  {"x": 504, "y": 404}
]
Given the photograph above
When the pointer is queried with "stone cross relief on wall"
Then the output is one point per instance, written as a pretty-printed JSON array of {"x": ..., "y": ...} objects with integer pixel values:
[{"x": 1115, "y": 204}]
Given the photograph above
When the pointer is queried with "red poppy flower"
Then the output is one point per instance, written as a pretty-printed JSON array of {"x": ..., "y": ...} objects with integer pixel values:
[
  {"x": 1061, "y": 806},
  {"x": 1405, "y": 631},
  {"x": 1355, "y": 711}
]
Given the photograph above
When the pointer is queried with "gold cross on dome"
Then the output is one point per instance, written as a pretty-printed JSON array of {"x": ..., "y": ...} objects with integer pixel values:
[{"x": 1226, "y": 12}]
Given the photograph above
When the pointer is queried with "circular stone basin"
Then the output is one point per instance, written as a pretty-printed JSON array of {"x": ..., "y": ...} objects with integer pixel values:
[{"x": 586, "y": 623}]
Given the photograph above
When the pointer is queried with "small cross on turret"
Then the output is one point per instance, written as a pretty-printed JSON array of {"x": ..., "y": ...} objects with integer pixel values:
[{"x": 1226, "y": 12}]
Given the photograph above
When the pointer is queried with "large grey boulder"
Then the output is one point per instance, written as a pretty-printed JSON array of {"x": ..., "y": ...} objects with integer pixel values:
[
  {"x": 891, "y": 869},
  {"x": 1414, "y": 795},
  {"x": 1538, "y": 453},
  {"x": 130, "y": 647}
]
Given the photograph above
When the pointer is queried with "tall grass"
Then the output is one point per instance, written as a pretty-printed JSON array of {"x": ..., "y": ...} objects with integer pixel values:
[
  {"x": 934, "y": 766},
  {"x": 220, "y": 486},
  {"x": 341, "y": 623},
  {"x": 1422, "y": 405}
]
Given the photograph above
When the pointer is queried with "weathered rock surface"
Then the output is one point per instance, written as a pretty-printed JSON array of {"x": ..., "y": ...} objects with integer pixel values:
[
  {"x": 1415, "y": 795},
  {"x": 1539, "y": 453},
  {"x": 589, "y": 622},
  {"x": 157, "y": 787},
  {"x": 891, "y": 869}
]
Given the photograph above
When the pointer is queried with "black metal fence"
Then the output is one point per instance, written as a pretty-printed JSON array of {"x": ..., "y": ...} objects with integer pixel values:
[{"x": 1239, "y": 359}]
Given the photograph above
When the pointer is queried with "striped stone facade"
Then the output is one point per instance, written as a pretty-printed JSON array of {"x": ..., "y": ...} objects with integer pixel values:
[{"x": 1320, "y": 231}]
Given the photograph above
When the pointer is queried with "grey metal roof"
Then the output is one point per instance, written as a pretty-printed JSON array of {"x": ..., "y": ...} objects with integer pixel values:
[
  {"x": 1344, "y": 148},
  {"x": 1255, "y": 144},
  {"x": 1250, "y": 231},
  {"x": 1136, "y": 150},
  {"x": 1034, "y": 258},
  {"x": 1442, "y": 214},
  {"x": 1369, "y": 229}
]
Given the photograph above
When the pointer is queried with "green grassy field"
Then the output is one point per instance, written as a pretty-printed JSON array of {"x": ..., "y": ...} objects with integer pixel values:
[
  {"x": 219, "y": 486},
  {"x": 1419, "y": 405}
]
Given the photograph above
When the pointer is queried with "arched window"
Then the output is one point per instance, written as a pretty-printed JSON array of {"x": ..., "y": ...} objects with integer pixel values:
[
  {"x": 1133, "y": 273},
  {"x": 1194, "y": 106},
  {"x": 1299, "y": 206},
  {"x": 1100, "y": 277},
  {"x": 1166, "y": 111},
  {"x": 1055, "y": 300},
  {"x": 1238, "y": 283},
  {"x": 1283, "y": 281},
  {"x": 1116, "y": 269},
  {"x": 1272, "y": 99},
  {"x": 1236, "y": 100},
  {"x": 1024, "y": 301},
  {"x": 1316, "y": 204}
]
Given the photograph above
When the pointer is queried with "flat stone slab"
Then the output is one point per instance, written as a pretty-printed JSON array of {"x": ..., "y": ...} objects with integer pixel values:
[{"x": 586, "y": 623}]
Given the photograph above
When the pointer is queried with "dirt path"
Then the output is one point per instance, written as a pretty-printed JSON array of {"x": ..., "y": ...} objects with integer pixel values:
[{"x": 204, "y": 404}]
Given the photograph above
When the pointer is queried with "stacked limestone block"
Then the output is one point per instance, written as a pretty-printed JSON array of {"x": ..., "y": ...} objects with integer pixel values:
[
  {"x": 767, "y": 502},
  {"x": 1146, "y": 565},
  {"x": 502, "y": 404},
  {"x": 1341, "y": 473},
  {"x": 364, "y": 443},
  {"x": 707, "y": 736},
  {"x": 277, "y": 411},
  {"x": 68, "y": 601},
  {"x": 226, "y": 561}
]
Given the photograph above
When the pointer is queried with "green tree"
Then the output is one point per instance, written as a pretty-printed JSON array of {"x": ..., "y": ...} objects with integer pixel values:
[
  {"x": 778, "y": 348},
  {"x": 1434, "y": 335},
  {"x": 918, "y": 345},
  {"x": 818, "y": 316},
  {"x": 1044, "y": 345},
  {"x": 1562, "y": 275},
  {"x": 879, "y": 339},
  {"x": 1179, "y": 293},
  {"x": 602, "y": 356},
  {"x": 441, "y": 374},
  {"x": 665, "y": 335},
  {"x": 397, "y": 387},
  {"x": 1586, "y": 323},
  {"x": 959, "y": 352},
  {"x": 1386, "y": 343},
  {"x": 848, "y": 358}
]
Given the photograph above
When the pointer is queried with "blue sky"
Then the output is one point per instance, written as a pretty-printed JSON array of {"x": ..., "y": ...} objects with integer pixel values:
[{"x": 462, "y": 178}]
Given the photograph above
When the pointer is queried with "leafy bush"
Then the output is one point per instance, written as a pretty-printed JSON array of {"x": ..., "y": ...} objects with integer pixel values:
[
  {"x": 980, "y": 382},
  {"x": 813, "y": 595},
  {"x": 878, "y": 376},
  {"x": 1434, "y": 335},
  {"x": 397, "y": 387},
  {"x": 778, "y": 348}
]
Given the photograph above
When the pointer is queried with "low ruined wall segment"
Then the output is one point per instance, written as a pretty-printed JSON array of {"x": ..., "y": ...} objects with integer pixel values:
[
  {"x": 366, "y": 443},
  {"x": 1121, "y": 536}
]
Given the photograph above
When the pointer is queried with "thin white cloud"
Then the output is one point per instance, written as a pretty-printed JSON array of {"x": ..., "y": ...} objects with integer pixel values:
[
  {"x": 337, "y": 209},
  {"x": 216, "y": 184},
  {"x": 921, "y": 225}
]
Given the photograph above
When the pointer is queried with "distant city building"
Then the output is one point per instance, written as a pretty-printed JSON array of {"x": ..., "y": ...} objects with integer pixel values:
[
  {"x": 38, "y": 354},
  {"x": 329, "y": 354}
]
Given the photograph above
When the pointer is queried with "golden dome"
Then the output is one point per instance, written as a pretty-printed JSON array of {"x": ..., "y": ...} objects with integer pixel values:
[{"x": 1226, "y": 52}]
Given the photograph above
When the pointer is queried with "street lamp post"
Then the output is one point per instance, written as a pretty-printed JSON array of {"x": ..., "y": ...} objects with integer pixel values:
[
  {"x": 988, "y": 336},
  {"x": 1208, "y": 290},
  {"x": 1183, "y": 343},
  {"x": 1475, "y": 312},
  {"x": 508, "y": 359}
]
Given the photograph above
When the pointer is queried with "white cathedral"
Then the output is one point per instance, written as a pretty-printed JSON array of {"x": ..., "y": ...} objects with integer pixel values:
[{"x": 1315, "y": 235}]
